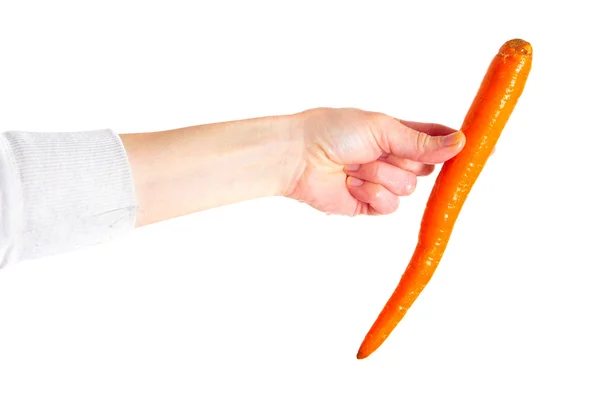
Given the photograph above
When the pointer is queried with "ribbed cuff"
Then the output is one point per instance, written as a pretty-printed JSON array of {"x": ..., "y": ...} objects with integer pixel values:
[{"x": 62, "y": 191}]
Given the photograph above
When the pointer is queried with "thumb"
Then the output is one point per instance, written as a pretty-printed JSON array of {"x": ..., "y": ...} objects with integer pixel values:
[{"x": 412, "y": 144}]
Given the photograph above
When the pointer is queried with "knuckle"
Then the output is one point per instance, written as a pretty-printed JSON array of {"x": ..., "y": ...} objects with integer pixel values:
[
  {"x": 406, "y": 186},
  {"x": 378, "y": 123},
  {"x": 376, "y": 171},
  {"x": 377, "y": 117},
  {"x": 411, "y": 183},
  {"x": 374, "y": 122},
  {"x": 378, "y": 193},
  {"x": 390, "y": 205},
  {"x": 422, "y": 143}
]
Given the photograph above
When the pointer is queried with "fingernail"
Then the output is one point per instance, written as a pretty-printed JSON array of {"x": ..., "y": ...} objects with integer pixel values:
[
  {"x": 384, "y": 155},
  {"x": 452, "y": 139},
  {"x": 352, "y": 181},
  {"x": 352, "y": 167}
]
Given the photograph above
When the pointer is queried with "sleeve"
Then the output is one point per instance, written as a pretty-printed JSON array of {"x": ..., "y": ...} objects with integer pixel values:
[{"x": 62, "y": 191}]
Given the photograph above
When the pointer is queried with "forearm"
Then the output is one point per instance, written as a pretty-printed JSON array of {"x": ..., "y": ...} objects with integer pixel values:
[{"x": 182, "y": 171}]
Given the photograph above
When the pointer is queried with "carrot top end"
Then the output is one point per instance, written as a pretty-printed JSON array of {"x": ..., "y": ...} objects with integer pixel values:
[{"x": 516, "y": 46}]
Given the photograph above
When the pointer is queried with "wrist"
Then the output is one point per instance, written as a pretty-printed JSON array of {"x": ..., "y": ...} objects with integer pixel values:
[{"x": 292, "y": 162}]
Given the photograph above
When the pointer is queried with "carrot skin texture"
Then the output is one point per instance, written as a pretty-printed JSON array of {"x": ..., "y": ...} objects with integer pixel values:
[{"x": 494, "y": 102}]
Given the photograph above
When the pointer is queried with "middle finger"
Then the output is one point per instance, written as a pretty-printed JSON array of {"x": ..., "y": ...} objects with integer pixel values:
[{"x": 415, "y": 167}]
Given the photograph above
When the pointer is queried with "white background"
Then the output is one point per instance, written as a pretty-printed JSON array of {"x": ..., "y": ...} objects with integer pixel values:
[{"x": 270, "y": 299}]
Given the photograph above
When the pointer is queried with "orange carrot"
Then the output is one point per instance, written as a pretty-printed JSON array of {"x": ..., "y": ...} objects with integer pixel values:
[{"x": 483, "y": 124}]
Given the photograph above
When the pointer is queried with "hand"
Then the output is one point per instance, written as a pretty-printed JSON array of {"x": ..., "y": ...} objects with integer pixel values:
[
  {"x": 358, "y": 162},
  {"x": 342, "y": 161}
]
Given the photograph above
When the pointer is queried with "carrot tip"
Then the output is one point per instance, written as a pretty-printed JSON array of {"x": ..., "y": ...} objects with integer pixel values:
[
  {"x": 516, "y": 46},
  {"x": 365, "y": 351}
]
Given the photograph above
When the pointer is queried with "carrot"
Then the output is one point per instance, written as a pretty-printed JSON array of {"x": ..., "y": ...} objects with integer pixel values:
[{"x": 497, "y": 96}]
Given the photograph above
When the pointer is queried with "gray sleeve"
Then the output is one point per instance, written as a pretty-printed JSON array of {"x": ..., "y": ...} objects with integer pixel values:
[{"x": 62, "y": 191}]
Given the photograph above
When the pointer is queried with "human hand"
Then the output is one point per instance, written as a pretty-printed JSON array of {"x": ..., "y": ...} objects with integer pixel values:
[{"x": 359, "y": 162}]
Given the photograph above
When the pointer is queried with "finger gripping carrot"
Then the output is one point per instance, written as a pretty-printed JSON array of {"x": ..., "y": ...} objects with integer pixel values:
[{"x": 495, "y": 100}]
